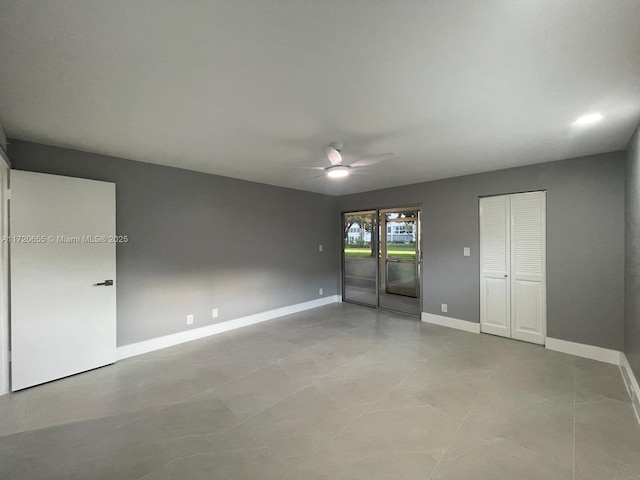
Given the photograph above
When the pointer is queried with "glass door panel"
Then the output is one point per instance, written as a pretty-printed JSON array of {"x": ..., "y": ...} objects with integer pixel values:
[
  {"x": 360, "y": 258},
  {"x": 400, "y": 260}
]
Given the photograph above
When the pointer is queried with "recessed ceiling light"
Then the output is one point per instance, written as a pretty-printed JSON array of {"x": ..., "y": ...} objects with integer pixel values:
[
  {"x": 338, "y": 171},
  {"x": 587, "y": 119}
]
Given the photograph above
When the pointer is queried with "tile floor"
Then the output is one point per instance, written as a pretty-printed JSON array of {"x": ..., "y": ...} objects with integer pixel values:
[{"x": 340, "y": 392}]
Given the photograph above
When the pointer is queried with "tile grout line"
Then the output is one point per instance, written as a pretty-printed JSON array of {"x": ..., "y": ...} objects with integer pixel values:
[
  {"x": 303, "y": 387},
  {"x": 243, "y": 422},
  {"x": 275, "y": 362},
  {"x": 364, "y": 403},
  {"x": 227, "y": 430},
  {"x": 444, "y": 452},
  {"x": 171, "y": 357},
  {"x": 312, "y": 379},
  {"x": 293, "y": 469},
  {"x": 373, "y": 403}
]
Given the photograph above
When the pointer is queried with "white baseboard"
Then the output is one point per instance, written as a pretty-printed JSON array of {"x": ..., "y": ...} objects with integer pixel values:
[
  {"x": 451, "y": 322},
  {"x": 631, "y": 383},
  {"x": 147, "y": 346},
  {"x": 581, "y": 350}
]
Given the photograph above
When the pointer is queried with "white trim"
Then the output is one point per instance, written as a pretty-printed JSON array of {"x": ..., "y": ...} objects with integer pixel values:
[
  {"x": 581, "y": 350},
  {"x": 146, "y": 346},
  {"x": 465, "y": 325},
  {"x": 631, "y": 382},
  {"x": 4, "y": 278}
]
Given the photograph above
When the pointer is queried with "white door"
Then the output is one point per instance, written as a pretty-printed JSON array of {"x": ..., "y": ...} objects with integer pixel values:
[
  {"x": 62, "y": 232},
  {"x": 528, "y": 267},
  {"x": 495, "y": 291},
  {"x": 513, "y": 266}
]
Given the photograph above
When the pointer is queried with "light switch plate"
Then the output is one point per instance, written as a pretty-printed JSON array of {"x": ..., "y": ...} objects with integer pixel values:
[
  {"x": 467, "y": 252},
  {"x": 320, "y": 248}
]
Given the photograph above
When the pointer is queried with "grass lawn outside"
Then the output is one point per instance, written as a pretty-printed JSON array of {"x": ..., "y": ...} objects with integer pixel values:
[{"x": 398, "y": 251}]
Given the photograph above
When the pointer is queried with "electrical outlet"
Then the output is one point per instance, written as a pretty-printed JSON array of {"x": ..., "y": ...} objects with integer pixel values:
[
  {"x": 320, "y": 291},
  {"x": 444, "y": 307},
  {"x": 214, "y": 313},
  {"x": 466, "y": 251},
  {"x": 189, "y": 319},
  {"x": 320, "y": 248}
]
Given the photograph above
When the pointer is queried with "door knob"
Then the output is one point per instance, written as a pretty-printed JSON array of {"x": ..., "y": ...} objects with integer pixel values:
[
  {"x": 106, "y": 283},
  {"x": 506, "y": 276}
]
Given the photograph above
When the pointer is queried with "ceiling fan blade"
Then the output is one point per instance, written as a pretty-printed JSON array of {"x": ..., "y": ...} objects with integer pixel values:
[
  {"x": 333, "y": 155},
  {"x": 312, "y": 168},
  {"x": 321, "y": 175},
  {"x": 363, "y": 162}
]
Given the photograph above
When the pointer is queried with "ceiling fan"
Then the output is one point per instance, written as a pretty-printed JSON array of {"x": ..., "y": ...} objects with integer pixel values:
[{"x": 339, "y": 169}]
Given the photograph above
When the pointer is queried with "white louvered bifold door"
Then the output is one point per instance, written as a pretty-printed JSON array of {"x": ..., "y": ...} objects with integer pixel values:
[
  {"x": 513, "y": 266},
  {"x": 528, "y": 289},
  {"x": 495, "y": 295}
]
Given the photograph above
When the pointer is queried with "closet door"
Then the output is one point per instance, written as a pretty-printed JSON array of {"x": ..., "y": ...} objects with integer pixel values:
[
  {"x": 528, "y": 255},
  {"x": 495, "y": 287}
]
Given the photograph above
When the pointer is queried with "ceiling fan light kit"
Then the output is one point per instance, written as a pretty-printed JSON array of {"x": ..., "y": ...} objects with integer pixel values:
[{"x": 339, "y": 170}]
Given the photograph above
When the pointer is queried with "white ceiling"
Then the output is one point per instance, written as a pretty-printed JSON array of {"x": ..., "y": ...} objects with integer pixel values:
[{"x": 254, "y": 88}]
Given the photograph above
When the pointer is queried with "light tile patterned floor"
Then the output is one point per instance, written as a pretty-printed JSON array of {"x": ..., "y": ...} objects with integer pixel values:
[{"x": 340, "y": 392}]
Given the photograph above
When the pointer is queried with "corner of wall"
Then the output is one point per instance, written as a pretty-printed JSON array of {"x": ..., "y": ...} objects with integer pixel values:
[{"x": 631, "y": 382}]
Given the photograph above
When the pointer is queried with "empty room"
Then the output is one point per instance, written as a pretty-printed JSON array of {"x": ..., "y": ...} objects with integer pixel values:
[{"x": 320, "y": 239}]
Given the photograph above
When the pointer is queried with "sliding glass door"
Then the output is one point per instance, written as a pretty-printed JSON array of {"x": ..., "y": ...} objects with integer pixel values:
[{"x": 382, "y": 259}]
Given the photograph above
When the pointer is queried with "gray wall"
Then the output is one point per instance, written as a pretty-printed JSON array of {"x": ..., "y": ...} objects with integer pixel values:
[
  {"x": 585, "y": 241},
  {"x": 632, "y": 255},
  {"x": 201, "y": 241}
]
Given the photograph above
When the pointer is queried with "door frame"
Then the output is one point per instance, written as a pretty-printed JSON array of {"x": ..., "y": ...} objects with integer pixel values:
[
  {"x": 376, "y": 238},
  {"x": 5, "y": 195},
  {"x": 544, "y": 263}
]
